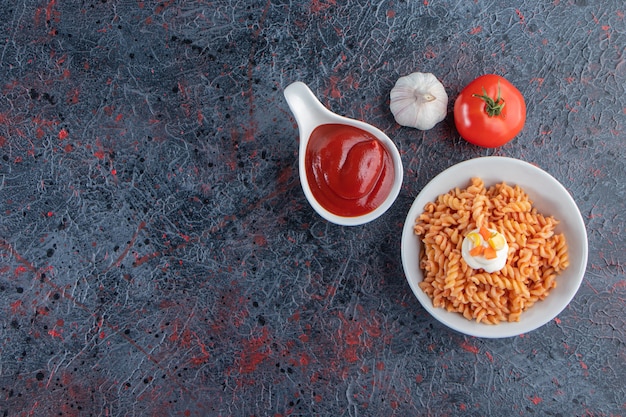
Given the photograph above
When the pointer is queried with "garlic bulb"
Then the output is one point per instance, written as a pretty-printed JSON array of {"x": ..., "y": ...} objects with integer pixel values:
[{"x": 419, "y": 100}]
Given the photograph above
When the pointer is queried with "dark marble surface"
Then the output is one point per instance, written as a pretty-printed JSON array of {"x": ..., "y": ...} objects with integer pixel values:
[{"x": 157, "y": 254}]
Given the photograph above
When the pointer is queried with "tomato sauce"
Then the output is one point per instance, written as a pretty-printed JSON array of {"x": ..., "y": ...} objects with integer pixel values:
[{"x": 349, "y": 171}]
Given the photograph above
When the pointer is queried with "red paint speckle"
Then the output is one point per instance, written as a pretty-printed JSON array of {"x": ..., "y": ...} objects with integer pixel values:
[
  {"x": 619, "y": 284},
  {"x": 353, "y": 334},
  {"x": 304, "y": 359},
  {"x": 49, "y": 10},
  {"x": 55, "y": 333},
  {"x": 73, "y": 95},
  {"x": 472, "y": 349},
  {"x": 535, "y": 400},
  {"x": 319, "y": 6},
  {"x": 260, "y": 240},
  {"x": 253, "y": 353},
  {"x": 476, "y": 30},
  {"x": 20, "y": 270},
  {"x": 15, "y": 306},
  {"x": 350, "y": 354},
  {"x": 333, "y": 91}
]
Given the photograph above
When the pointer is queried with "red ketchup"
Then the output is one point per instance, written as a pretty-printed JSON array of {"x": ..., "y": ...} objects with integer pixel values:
[{"x": 349, "y": 171}]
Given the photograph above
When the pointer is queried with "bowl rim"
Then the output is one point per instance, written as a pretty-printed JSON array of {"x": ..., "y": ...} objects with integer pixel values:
[{"x": 554, "y": 200}]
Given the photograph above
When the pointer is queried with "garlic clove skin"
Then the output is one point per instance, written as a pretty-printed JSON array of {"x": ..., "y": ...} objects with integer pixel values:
[{"x": 419, "y": 100}]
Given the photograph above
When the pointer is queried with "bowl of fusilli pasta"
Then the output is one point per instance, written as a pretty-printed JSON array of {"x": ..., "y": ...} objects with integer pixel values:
[{"x": 546, "y": 254}]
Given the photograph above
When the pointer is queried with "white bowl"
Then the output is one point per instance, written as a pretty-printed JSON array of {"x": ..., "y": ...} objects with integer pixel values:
[{"x": 548, "y": 196}]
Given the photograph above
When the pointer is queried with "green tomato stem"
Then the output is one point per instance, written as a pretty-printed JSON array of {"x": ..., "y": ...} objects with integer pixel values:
[{"x": 492, "y": 107}]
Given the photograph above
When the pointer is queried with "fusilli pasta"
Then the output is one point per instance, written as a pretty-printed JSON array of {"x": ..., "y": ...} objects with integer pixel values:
[{"x": 536, "y": 254}]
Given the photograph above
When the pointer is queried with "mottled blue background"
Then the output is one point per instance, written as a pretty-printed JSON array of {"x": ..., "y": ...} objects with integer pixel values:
[{"x": 158, "y": 256}]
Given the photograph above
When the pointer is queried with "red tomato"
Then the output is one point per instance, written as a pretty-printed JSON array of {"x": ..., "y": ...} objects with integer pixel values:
[{"x": 490, "y": 111}]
